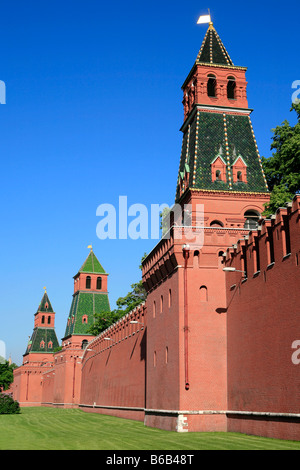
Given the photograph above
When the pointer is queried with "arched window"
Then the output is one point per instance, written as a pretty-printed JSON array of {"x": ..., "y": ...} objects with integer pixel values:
[
  {"x": 49, "y": 319},
  {"x": 203, "y": 294},
  {"x": 43, "y": 319},
  {"x": 161, "y": 303},
  {"x": 84, "y": 319},
  {"x": 216, "y": 223},
  {"x": 252, "y": 217},
  {"x": 84, "y": 344},
  {"x": 196, "y": 259},
  {"x": 99, "y": 283},
  {"x": 211, "y": 86},
  {"x": 88, "y": 282},
  {"x": 154, "y": 309},
  {"x": 239, "y": 177},
  {"x": 231, "y": 87},
  {"x": 218, "y": 175}
]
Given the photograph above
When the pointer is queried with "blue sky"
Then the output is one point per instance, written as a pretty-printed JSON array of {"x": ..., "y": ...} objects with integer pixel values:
[{"x": 93, "y": 111}]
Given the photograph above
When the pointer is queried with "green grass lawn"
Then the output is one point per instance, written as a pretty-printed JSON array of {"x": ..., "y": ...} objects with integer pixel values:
[{"x": 72, "y": 429}]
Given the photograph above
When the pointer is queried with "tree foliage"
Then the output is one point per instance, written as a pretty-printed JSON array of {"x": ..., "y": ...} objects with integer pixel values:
[
  {"x": 282, "y": 169},
  {"x": 6, "y": 374},
  {"x": 8, "y": 405},
  {"x": 124, "y": 305}
]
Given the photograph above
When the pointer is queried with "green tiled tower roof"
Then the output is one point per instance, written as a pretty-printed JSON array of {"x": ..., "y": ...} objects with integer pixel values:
[
  {"x": 92, "y": 265},
  {"x": 210, "y": 135},
  {"x": 85, "y": 304},
  {"x": 213, "y": 50},
  {"x": 45, "y": 305},
  {"x": 43, "y": 340}
]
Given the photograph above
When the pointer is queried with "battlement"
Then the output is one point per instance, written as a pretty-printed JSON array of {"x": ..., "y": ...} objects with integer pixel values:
[
  {"x": 125, "y": 328},
  {"x": 275, "y": 240}
]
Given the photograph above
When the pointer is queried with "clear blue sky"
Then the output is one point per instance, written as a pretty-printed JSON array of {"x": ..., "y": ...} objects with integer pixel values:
[{"x": 93, "y": 111}]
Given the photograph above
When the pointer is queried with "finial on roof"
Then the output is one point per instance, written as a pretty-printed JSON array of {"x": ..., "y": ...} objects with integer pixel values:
[
  {"x": 91, "y": 248},
  {"x": 45, "y": 289},
  {"x": 205, "y": 19}
]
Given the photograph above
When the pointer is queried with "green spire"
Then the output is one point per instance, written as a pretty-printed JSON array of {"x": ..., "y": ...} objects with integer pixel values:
[
  {"x": 45, "y": 305},
  {"x": 92, "y": 265},
  {"x": 213, "y": 50}
]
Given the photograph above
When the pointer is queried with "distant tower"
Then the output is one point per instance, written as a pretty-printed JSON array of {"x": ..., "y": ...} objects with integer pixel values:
[
  {"x": 90, "y": 297},
  {"x": 38, "y": 357},
  {"x": 43, "y": 339}
]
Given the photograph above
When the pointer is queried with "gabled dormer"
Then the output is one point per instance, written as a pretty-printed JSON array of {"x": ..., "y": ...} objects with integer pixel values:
[
  {"x": 218, "y": 169},
  {"x": 239, "y": 170}
]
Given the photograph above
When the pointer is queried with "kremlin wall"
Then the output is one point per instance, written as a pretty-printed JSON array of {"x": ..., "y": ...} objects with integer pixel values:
[{"x": 212, "y": 347}]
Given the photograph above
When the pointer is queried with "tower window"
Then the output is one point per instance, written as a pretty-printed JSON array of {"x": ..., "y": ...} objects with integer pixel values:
[
  {"x": 203, "y": 294},
  {"x": 216, "y": 223},
  {"x": 239, "y": 177},
  {"x": 84, "y": 319},
  {"x": 88, "y": 282},
  {"x": 252, "y": 218},
  {"x": 211, "y": 86},
  {"x": 99, "y": 283},
  {"x": 43, "y": 319},
  {"x": 231, "y": 88},
  {"x": 84, "y": 344},
  {"x": 49, "y": 320}
]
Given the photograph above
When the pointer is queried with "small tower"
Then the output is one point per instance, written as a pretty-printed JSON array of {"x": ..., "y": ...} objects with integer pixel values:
[
  {"x": 90, "y": 296},
  {"x": 43, "y": 339},
  {"x": 38, "y": 357}
]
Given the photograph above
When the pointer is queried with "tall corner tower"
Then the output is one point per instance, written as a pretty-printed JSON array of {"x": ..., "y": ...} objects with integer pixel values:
[
  {"x": 90, "y": 297},
  {"x": 219, "y": 154},
  {"x": 221, "y": 177},
  {"x": 43, "y": 339}
]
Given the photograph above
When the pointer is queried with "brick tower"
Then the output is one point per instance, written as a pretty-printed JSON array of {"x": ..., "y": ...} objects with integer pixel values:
[
  {"x": 62, "y": 387},
  {"x": 220, "y": 171},
  {"x": 39, "y": 354},
  {"x": 43, "y": 339},
  {"x": 90, "y": 297}
]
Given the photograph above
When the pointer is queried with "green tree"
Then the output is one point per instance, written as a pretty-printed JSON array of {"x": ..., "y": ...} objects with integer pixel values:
[
  {"x": 6, "y": 375},
  {"x": 124, "y": 305},
  {"x": 282, "y": 169}
]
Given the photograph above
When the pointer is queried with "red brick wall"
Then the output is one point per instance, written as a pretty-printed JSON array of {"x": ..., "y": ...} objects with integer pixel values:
[
  {"x": 113, "y": 371},
  {"x": 262, "y": 324}
]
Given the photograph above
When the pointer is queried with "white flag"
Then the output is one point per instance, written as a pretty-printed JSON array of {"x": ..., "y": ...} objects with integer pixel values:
[{"x": 204, "y": 19}]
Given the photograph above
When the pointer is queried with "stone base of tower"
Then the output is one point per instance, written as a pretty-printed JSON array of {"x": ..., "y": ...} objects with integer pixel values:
[{"x": 209, "y": 421}]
